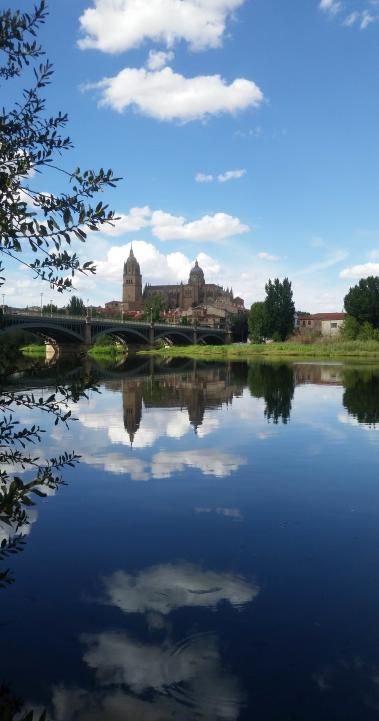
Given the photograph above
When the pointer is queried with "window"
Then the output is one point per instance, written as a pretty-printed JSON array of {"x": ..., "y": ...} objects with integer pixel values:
[
  {"x": 334, "y": 325},
  {"x": 309, "y": 322}
]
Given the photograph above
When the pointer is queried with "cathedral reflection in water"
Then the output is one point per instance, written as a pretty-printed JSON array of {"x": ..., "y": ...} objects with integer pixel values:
[{"x": 196, "y": 391}]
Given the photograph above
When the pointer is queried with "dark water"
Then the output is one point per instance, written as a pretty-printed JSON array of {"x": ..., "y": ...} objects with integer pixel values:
[{"x": 214, "y": 557}]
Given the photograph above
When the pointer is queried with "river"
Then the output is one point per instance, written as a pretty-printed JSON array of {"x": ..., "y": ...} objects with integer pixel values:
[{"x": 213, "y": 557}]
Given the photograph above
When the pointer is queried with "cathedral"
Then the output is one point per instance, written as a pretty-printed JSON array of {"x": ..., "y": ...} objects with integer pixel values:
[{"x": 183, "y": 295}]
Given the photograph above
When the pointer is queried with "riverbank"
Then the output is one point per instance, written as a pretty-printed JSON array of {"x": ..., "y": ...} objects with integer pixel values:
[
  {"x": 35, "y": 349},
  {"x": 106, "y": 351},
  {"x": 324, "y": 349}
]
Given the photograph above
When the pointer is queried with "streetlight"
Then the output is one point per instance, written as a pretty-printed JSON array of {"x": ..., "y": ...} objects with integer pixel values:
[
  {"x": 41, "y": 294},
  {"x": 3, "y": 297},
  {"x": 51, "y": 307}
]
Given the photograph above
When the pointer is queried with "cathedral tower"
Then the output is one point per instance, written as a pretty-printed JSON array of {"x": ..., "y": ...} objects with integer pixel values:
[{"x": 132, "y": 284}]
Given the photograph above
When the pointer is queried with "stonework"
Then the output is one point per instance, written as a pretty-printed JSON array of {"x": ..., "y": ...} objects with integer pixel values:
[{"x": 184, "y": 296}]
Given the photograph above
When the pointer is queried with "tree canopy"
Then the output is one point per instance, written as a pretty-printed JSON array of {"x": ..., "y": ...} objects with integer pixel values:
[
  {"x": 279, "y": 309},
  {"x": 362, "y": 301},
  {"x": 257, "y": 322}
]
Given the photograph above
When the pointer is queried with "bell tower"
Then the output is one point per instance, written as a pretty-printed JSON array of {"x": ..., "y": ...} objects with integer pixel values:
[{"x": 132, "y": 284}]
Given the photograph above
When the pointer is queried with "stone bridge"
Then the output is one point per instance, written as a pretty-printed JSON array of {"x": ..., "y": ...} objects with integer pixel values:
[{"x": 70, "y": 331}]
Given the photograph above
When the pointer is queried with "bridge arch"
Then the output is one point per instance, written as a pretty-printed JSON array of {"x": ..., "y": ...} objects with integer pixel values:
[
  {"x": 125, "y": 335},
  {"x": 173, "y": 333},
  {"x": 47, "y": 331}
]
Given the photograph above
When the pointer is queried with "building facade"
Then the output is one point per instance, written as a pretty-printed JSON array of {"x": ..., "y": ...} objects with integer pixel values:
[
  {"x": 326, "y": 324},
  {"x": 183, "y": 295}
]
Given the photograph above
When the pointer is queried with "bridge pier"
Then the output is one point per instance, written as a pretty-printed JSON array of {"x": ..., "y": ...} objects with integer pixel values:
[{"x": 87, "y": 335}]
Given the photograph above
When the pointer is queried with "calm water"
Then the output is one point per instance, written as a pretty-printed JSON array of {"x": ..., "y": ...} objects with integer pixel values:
[{"x": 214, "y": 557}]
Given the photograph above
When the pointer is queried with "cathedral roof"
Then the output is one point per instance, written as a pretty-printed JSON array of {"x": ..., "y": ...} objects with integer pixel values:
[
  {"x": 131, "y": 266},
  {"x": 196, "y": 273}
]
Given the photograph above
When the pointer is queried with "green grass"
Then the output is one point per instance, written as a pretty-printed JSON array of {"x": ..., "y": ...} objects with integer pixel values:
[
  {"x": 106, "y": 351},
  {"x": 322, "y": 349},
  {"x": 34, "y": 349}
]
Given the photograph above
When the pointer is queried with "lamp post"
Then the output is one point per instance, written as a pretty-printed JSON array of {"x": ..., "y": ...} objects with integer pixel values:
[
  {"x": 41, "y": 294},
  {"x": 3, "y": 297},
  {"x": 51, "y": 307}
]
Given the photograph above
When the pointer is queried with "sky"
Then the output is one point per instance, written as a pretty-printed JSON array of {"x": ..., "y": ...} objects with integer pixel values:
[{"x": 245, "y": 133}]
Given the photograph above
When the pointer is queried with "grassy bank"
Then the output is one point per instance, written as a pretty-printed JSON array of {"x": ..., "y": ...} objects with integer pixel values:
[
  {"x": 323, "y": 350},
  {"x": 34, "y": 349},
  {"x": 106, "y": 351}
]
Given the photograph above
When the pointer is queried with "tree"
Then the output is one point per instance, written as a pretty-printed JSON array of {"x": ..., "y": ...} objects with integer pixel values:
[
  {"x": 31, "y": 222},
  {"x": 76, "y": 306},
  {"x": 257, "y": 321},
  {"x": 350, "y": 328},
  {"x": 37, "y": 230},
  {"x": 362, "y": 301},
  {"x": 239, "y": 327},
  {"x": 153, "y": 307},
  {"x": 280, "y": 309}
]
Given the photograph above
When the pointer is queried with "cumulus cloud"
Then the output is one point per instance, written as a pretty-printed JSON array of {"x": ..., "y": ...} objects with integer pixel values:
[
  {"x": 165, "y": 588},
  {"x": 209, "y": 228},
  {"x": 115, "y": 26},
  {"x": 222, "y": 178},
  {"x": 210, "y": 462},
  {"x": 267, "y": 256},
  {"x": 165, "y": 226},
  {"x": 158, "y": 59},
  {"x": 166, "y": 95},
  {"x": 360, "y": 271}
]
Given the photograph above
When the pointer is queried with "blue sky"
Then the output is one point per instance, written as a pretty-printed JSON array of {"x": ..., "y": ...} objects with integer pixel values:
[{"x": 246, "y": 132}]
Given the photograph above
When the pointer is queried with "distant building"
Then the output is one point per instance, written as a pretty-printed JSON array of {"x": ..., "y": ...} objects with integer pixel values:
[
  {"x": 184, "y": 296},
  {"x": 326, "y": 324}
]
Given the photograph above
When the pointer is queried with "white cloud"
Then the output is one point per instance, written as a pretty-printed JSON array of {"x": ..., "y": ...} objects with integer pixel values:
[
  {"x": 231, "y": 175},
  {"x": 114, "y": 26},
  {"x": 351, "y": 19},
  {"x": 209, "y": 228},
  {"x": 360, "y": 271},
  {"x": 203, "y": 178},
  {"x": 331, "y": 6},
  {"x": 164, "y": 588},
  {"x": 210, "y": 462},
  {"x": 267, "y": 256},
  {"x": 165, "y": 226},
  {"x": 158, "y": 59},
  {"x": 366, "y": 19},
  {"x": 166, "y": 95},
  {"x": 222, "y": 178}
]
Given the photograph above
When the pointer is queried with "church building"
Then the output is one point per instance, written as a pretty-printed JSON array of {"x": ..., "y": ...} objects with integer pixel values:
[{"x": 182, "y": 295}]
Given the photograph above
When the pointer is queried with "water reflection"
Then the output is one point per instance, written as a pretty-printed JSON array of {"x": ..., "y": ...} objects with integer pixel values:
[
  {"x": 361, "y": 395},
  {"x": 276, "y": 384},
  {"x": 164, "y": 588}
]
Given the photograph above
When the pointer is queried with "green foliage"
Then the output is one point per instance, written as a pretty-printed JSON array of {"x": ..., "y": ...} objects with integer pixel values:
[
  {"x": 276, "y": 384},
  {"x": 42, "y": 223},
  {"x": 350, "y": 328},
  {"x": 257, "y": 321},
  {"x": 361, "y": 395},
  {"x": 76, "y": 306},
  {"x": 362, "y": 301},
  {"x": 153, "y": 307},
  {"x": 280, "y": 309},
  {"x": 368, "y": 332}
]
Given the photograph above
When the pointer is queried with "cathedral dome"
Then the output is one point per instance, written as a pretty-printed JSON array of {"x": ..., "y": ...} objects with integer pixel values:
[
  {"x": 196, "y": 275},
  {"x": 131, "y": 267}
]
